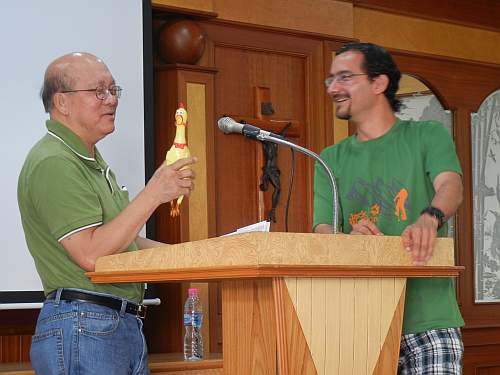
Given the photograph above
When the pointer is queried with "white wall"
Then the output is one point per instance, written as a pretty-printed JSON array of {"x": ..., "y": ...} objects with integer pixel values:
[{"x": 32, "y": 34}]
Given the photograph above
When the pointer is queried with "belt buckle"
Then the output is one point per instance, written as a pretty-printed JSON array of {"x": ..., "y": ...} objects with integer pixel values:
[{"x": 141, "y": 311}]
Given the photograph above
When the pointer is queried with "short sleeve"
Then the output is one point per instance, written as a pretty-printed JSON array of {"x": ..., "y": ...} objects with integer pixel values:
[
  {"x": 440, "y": 154},
  {"x": 63, "y": 198}
]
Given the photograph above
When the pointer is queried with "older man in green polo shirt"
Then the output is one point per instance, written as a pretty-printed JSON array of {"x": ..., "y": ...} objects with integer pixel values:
[{"x": 73, "y": 211}]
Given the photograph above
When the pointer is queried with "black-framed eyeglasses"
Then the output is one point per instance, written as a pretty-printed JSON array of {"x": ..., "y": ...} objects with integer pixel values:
[
  {"x": 342, "y": 78},
  {"x": 102, "y": 93}
]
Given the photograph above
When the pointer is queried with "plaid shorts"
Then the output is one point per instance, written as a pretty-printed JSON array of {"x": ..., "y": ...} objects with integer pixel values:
[{"x": 436, "y": 352}]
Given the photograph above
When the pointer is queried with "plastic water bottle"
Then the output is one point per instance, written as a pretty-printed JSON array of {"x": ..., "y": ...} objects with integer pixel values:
[{"x": 193, "y": 318}]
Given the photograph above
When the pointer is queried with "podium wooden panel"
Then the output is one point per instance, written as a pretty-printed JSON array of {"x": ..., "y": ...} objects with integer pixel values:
[{"x": 296, "y": 303}]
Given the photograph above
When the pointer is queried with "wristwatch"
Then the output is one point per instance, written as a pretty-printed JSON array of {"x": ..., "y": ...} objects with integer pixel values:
[{"x": 436, "y": 212}]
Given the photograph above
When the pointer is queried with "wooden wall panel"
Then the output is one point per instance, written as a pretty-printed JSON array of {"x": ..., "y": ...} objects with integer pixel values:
[
  {"x": 482, "y": 350},
  {"x": 332, "y": 17},
  {"x": 423, "y": 26},
  {"x": 16, "y": 328},
  {"x": 326, "y": 17},
  {"x": 14, "y": 348},
  {"x": 419, "y": 35},
  {"x": 477, "y": 13},
  {"x": 201, "y": 5},
  {"x": 292, "y": 69},
  {"x": 169, "y": 317}
]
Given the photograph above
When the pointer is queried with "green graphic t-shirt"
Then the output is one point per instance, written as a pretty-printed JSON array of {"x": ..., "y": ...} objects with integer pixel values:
[{"x": 388, "y": 180}]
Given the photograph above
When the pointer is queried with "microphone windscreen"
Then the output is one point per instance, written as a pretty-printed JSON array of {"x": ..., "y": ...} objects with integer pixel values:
[{"x": 228, "y": 125}]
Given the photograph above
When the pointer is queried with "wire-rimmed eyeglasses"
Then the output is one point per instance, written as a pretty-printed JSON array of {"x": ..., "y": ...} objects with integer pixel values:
[
  {"x": 342, "y": 78},
  {"x": 101, "y": 92}
]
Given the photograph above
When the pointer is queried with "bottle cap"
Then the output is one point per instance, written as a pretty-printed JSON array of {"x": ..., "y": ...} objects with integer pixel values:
[{"x": 192, "y": 291}]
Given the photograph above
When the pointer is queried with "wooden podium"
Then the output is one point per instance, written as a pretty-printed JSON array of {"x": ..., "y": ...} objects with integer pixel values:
[{"x": 296, "y": 303}]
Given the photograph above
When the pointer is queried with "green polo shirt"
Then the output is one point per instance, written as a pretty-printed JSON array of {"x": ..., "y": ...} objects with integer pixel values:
[{"x": 62, "y": 189}]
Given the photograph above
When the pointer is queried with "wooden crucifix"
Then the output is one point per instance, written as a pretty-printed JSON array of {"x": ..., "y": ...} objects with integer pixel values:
[{"x": 264, "y": 118}]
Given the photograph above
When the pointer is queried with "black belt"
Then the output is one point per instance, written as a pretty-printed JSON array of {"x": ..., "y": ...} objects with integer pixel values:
[{"x": 113, "y": 303}]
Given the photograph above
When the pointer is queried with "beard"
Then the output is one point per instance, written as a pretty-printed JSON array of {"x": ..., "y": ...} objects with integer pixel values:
[{"x": 344, "y": 114}]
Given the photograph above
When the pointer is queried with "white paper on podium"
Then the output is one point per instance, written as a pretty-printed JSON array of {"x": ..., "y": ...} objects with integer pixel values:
[{"x": 262, "y": 226}]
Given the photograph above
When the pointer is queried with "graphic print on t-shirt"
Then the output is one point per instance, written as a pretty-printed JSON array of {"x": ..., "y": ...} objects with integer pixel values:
[
  {"x": 399, "y": 201},
  {"x": 376, "y": 200}
]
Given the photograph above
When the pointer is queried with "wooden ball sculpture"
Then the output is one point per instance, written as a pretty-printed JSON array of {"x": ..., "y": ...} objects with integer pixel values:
[{"x": 181, "y": 42}]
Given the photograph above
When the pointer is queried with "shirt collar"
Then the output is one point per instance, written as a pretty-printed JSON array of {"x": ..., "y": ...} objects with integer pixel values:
[
  {"x": 377, "y": 141},
  {"x": 75, "y": 144}
]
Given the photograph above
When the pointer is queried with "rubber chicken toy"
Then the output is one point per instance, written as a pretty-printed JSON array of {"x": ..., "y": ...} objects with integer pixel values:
[{"x": 178, "y": 151}]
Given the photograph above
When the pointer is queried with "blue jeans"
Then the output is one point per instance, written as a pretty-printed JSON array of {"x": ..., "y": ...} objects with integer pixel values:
[{"x": 81, "y": 338}]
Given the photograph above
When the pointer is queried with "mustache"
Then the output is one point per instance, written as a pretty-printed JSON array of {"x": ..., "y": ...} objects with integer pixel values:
[
  {"x": 338, "y": 97},
  {"x": 341, "y": 96}
]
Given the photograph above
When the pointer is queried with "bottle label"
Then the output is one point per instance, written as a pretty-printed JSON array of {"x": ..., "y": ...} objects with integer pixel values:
[{"x": 194, "y": 319}]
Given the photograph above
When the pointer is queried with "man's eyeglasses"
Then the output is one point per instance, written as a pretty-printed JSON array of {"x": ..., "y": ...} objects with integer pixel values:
[
  {"x": 102, "y": 93},
  {"x": 342, "y": 78}
]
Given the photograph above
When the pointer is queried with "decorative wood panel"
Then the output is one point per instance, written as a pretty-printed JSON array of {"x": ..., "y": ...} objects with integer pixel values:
[
  {"x": 388, "y": 359},
  {"x": 332, "y": 321},
  {"x": 294, "y": 354}
]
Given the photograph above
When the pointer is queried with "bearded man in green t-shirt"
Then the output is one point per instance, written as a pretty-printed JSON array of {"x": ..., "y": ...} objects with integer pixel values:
[{"x": 396, "y": 178}]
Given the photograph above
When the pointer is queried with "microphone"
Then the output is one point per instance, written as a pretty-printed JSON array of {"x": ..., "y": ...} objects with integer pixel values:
[{"x": 228, "y": 125}]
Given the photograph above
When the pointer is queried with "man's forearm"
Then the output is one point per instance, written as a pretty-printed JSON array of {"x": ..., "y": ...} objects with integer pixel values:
[
  {"x": 323, "y": 228},
  {"x": 114, "y": 236},
  {"x": 449, "y": 193},
  {"x": 146, "y": 243}
]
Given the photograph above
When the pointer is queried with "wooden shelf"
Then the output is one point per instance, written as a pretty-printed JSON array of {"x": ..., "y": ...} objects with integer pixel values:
[
  {"x": 159, "y": 363},
  {"x": 173, "y": 362}
]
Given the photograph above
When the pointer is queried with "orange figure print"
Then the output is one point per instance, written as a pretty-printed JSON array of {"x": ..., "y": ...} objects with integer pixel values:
[
  {"x": 375, "y": 210},
  {"x": 357, "y": 217},
  {"x": 399, "y": 201}
]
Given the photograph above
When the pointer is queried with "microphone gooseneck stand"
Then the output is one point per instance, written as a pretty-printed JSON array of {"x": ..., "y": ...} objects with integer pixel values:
[{"x": 266, "y": 136}]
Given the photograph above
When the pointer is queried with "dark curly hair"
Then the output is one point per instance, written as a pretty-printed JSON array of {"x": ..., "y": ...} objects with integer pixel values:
[{"x": 378, "y": 61}]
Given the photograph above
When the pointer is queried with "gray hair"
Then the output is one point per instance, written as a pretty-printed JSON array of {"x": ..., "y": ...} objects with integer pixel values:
[{"x": 53, "y": 83}]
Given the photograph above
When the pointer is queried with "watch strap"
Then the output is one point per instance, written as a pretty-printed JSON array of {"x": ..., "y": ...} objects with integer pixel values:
[{"x": 436, "y": 212}]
